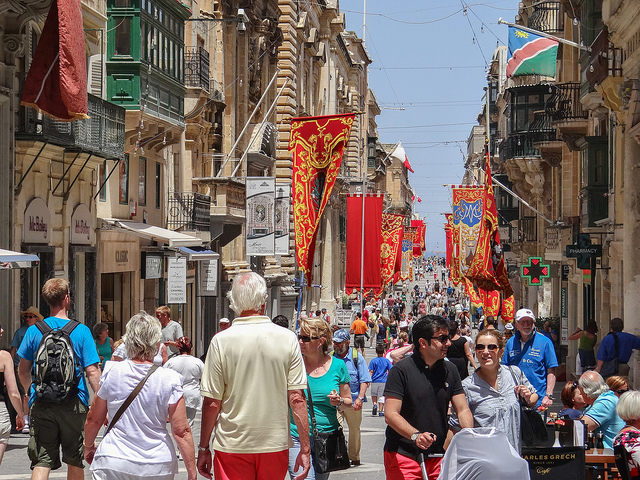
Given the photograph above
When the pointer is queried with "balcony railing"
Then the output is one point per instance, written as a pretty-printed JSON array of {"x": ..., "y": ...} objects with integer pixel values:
[
  {"x": 527, "y": 229},
  {"x": 102, "y": 134},
  {"x": 196, "y": 68},
  {"x": 564, "y": 103},
  {"x": 605, "y": 60},
  {"x": 189, "y": 211},
  {"x": 541, "y": 129},
  {"x": 547, "y": 17}
]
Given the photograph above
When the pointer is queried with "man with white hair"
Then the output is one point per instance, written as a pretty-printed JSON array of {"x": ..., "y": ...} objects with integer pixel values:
[
  {"x": 600, "y": 415},
  {"x": 534, "y": 354},
  {"x": 253, "y": 373}
]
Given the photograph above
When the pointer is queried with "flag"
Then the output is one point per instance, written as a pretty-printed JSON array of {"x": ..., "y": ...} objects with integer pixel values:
[
  {"x": 454, "y": 270},
  {"x": 467, "y": 218},
  {"x": 317, "y": 144},
  {"x": 471, "y": 292},
  {"x": 401, "y": 155},
  {"x": 490, "y": 302},
  {"x": 406, "y": 270},
  {"x": 418, "y": 239},
  {"x": 488, "y": 269},
  {"x": 392, "y": 227},
  {"x": 371, "y": 261},
  {"x": 531, "y": 54},
  {"x": 56, "y": 84},
  {"x": 508, "y": 310},
  {"x": 448, "y": 235}
]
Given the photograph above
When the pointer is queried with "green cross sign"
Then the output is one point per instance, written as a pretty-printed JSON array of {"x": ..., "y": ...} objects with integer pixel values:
[{"x": 535, "y": 271}]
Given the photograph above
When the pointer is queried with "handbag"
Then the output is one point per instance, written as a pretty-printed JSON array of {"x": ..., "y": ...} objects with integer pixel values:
[
  {"x": 328, "y": 449},
  {"x": 533, "y": 431}
]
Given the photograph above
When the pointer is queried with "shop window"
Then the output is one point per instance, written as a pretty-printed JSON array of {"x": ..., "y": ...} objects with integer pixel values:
[
  {"x": 142, "y": 182},
  {"x": 122, "y": 37},
  {"x": 158, "y": 170},
  {"x": 102, "y": 176},
  {"x": 123, "y": 184}
]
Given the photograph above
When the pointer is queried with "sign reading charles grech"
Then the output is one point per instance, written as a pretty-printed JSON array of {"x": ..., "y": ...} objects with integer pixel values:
[
  {"x": 81, "y": 225},
  {"x": 37, "y": 223}
]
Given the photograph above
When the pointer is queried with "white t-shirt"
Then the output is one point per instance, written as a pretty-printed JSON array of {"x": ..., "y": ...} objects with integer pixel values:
[
  {"x": 139, "y": 442},
  {"x": 190, "y": 369}
]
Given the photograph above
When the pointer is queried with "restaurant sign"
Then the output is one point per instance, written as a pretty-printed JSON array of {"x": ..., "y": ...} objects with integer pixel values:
[
  {"x": 81, "y": 225},
  {"x": 37, "y": 223},
  {"x": 566, "y": 463}
]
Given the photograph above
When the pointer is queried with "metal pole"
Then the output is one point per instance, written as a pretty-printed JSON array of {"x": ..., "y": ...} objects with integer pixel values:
[
  {"x": 255, "y": 134},
  {"x": 364, "y": 177},
  {"x": 235, "y": 145}
]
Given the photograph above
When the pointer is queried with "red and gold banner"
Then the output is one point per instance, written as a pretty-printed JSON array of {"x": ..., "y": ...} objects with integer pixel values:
[
  {"x": 406, "y": 270},
  {"x": 490, "y": 302},
  {"x": 471, "y": 292},
  {"x": 317, "y": 144},
  {"x": 454, "y": 271},
  {"x": 419, "y": 245},
  {"x": 369, "y": 261},
  {"x": 488, "y": 268},
  {"x": 508, "y": 310},
  {"x": 392, "y": 228},
  {"x": 56, "y": 84},
  {"x": 467, "y": 217},
  {"x": 448, "y": 233}
]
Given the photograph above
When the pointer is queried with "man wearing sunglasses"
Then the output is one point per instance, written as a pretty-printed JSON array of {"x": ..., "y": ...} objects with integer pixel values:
[
  {"x": 534, "y": 354},
  {"x": 418, "y": 392}
]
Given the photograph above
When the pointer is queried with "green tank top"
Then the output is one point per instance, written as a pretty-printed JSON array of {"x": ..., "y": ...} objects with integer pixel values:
[
  {"x": 104, "y": 350},
  {"x": 587, "y": 343}
]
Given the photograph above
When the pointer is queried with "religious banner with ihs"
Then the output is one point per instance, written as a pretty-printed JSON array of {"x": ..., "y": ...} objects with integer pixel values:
[{"x": 261, "y": 193}]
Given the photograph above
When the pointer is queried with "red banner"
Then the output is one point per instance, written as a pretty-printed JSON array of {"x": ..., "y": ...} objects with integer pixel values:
[
  {"x": 317, "y": 144},
  {"x": 418, "y": 240},
  {"x": 371, "y": 261},
  {"x": 467, "y": 217},
  {"x": 508, "y": 310},
  {"x": 391, "y": 240},
  {"x": 490, "y": 302},
  {"x": 488, "y": 268},
  {"x": 56, "y": 84},
  {"x": 448, "y": 234},
  {"x": 471, "y": 292},
  {"x": 454, "y": 271}
]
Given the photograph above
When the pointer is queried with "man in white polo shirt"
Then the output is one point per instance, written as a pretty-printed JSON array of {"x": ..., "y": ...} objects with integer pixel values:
[{"x": 252, "y": 374}]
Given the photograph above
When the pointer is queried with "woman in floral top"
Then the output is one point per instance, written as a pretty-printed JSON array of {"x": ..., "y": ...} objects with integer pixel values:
[{"x": 628, "y": 409}]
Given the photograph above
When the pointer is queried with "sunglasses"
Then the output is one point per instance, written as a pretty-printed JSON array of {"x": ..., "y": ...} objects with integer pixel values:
[
  {"x": 442, "y": 338},
  {"x": 307, "y": 338},
  {"x": 30, "y": 316},
  {"x": 492, "y": 347}
]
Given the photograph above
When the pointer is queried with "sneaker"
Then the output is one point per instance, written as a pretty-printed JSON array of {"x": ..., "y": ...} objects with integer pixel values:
[
  {"x": 375, "y": 410},
  {"x": 381, "y": 414},
  {"x": 25, "y": 429}
]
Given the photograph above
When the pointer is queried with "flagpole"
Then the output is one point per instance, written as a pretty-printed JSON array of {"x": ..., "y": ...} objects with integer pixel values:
[{"x": 546, "y": 35}]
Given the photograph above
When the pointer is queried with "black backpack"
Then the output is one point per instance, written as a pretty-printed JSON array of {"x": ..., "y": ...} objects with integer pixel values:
[{"x": 55, "y": 364}]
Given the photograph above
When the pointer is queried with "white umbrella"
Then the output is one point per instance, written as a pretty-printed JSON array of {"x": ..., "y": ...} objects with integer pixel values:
[{"x": 11, "y": 259}]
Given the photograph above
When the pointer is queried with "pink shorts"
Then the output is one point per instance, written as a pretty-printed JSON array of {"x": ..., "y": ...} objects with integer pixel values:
[
  {"x": 250, "y": 466},
  {"x": 400, "y": 467}
]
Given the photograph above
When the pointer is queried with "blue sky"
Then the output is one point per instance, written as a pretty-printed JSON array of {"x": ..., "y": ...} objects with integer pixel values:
[{"x": 429, "y": 58}]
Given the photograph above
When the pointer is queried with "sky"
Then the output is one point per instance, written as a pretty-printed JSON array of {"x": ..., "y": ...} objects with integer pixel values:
[{"x": 428, "y": 73}]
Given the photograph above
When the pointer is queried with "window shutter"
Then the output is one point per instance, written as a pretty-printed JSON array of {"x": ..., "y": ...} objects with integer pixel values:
[{"x": 95, "y": 75}]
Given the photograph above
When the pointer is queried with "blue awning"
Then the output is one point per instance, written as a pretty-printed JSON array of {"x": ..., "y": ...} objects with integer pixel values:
[
  {"x": 199, "y": 253},
  {"x": 11, "y": 259}
]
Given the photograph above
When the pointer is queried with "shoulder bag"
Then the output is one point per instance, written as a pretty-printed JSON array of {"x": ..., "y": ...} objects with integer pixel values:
[
  {"x": 130, "y": 399},
  {"x": 329, "y": 449},
  {"x": 533, "y": 431}
]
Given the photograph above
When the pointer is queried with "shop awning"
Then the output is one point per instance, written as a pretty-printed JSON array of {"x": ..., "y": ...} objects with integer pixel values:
[
  {"x": 199, "y": 253},
  {"x": 157, "y": 234},
  {"x": 11, "y": 259}
]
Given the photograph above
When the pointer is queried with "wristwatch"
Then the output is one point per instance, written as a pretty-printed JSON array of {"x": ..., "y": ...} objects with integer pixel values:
[
  {"x": 203, "y": 449},
  {"x": 549, "y": 396},
  {"x": 361, "y": 399},
  {"x": 414, "y": 436}
]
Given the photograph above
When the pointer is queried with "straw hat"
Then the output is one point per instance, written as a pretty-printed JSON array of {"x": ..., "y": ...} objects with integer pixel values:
[{"x": 32, "y": 310}]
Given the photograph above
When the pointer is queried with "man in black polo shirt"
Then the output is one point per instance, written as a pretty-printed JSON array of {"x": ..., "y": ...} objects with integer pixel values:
[{"x": 418, "y": 392}]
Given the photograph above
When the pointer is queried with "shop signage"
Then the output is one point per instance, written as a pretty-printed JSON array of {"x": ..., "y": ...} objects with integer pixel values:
[
  {"x": 563, "y": 302},
  {"x": 260, "y": 208},
  {"x": 122, "y": 256},
  {"x": 37, "y": 223},
  {"x": 584, "y": 251},
  {"x": 81, "y": 225},
  {"x": 177, "y": 280},
  {"x": 151, "y": 265},
  {"x": 207, "y": 278},
  {"x": 535, "y": 271},
  {"x": 564, "y": 462}
]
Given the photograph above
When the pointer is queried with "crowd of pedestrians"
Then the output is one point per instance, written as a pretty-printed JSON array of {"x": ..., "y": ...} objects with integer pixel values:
[{"x": 268, "y": 394}]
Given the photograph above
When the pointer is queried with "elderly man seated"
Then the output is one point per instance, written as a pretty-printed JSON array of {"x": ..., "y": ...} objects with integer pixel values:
[{"x": 600, "y": 415}]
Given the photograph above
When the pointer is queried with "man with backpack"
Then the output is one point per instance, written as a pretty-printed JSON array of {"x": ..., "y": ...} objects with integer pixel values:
[{"x": 56, "y": 350}]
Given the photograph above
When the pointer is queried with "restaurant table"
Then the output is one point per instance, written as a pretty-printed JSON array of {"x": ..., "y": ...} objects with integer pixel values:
[{"x": 604, "y": 461}]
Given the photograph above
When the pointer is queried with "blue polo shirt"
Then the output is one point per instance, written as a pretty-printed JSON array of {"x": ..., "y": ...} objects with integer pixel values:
[
  {"x": 538, "y": 357},
  {"x": 84, "y": 347},
  {"x": 361, "y": 375},
  {"x": 627, "y": 343},
  {"x": 603, "y": 412},
  {"x": 380, "y": 367}
]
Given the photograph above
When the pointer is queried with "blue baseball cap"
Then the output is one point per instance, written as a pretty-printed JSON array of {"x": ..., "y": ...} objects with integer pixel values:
[{"x": 341, "y": 336}]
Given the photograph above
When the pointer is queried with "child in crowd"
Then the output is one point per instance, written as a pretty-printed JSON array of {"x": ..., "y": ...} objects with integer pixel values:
[{"x": 378, "y": 368}]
